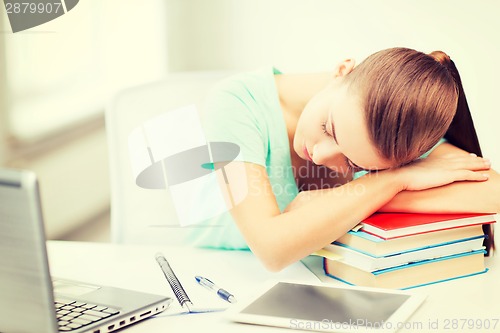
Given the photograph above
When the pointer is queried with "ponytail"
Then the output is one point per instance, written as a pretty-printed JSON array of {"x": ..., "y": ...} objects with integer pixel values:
[{"x": 461, "y": 133}]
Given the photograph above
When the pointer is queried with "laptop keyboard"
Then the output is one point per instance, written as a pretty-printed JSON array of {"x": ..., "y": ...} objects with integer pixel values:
[{"x": 72, "y": 315}]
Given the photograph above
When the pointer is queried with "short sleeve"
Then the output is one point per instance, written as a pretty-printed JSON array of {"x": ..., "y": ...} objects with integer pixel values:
[{"x": 227, "y": 117}]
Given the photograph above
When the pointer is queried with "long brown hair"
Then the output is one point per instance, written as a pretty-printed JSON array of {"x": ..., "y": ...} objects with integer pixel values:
[
  {"x": 462, "y": 132},
  {"x": 412, "y": 100}
]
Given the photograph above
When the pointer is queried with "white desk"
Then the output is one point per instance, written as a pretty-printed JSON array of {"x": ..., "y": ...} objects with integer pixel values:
[{"x": 130, "y": 266}]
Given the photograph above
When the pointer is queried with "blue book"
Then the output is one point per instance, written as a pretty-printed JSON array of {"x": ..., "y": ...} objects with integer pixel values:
[
  {"x": 370, "y": 262},
  {"x": 410, "y": 275},
  {"x": 377, "y": 247}
]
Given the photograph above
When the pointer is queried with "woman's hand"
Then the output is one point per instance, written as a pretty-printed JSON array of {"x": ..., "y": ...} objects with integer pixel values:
[{"x": 438, "y": 171}]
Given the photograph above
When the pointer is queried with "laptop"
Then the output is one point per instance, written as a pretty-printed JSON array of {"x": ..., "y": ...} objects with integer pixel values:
[{"x": 30, "y": 300}]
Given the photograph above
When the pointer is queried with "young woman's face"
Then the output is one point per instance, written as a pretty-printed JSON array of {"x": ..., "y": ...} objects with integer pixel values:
[{"x": 332, "y": 132}]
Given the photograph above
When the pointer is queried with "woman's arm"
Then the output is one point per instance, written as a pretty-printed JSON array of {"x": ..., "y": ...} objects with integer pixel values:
[
  {"x": 481, "y": 197},
  {"x": 280, "y": 239}
]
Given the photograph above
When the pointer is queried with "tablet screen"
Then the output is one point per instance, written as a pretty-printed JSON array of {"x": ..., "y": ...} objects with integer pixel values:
[{"x": 317, "y": 303}]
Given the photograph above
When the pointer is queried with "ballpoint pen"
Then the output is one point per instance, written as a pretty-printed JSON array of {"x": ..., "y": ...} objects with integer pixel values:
[{"x": 224, "y": 294}]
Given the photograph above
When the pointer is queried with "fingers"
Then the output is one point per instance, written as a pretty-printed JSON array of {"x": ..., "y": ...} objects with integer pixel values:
[
  {"x": 467, "y": 167},
  {"x": 471, "y": 162},
  {"x": 470, "y": 167},
  {"x": 468, "y": 175}
]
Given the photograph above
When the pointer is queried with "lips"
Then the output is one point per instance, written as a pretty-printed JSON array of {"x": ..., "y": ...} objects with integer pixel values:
[{"x": 306, "y": 153}]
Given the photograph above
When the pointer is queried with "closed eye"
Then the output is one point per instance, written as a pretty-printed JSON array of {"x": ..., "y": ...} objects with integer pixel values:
[{"x": 323, "y": 127}]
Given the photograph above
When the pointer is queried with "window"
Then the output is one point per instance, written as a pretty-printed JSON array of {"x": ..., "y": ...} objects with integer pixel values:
[{"x": 64, "y": 71}]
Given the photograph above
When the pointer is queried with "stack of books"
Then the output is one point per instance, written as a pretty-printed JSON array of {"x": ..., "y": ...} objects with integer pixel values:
[{"x": 407, "y": 250}]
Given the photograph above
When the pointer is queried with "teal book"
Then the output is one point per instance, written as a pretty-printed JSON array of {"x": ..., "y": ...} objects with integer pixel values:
[
  {"x": 377, "y": 247},
  {"x": 369, "y": 262},
  {"x": 410, "y": 275}
]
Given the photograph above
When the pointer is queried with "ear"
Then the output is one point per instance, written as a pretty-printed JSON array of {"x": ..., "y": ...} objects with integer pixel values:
[{"x": 344, "y": 68}]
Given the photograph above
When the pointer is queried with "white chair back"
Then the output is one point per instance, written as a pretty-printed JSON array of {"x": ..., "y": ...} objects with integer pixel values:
[{"x": 140, "y": 215}]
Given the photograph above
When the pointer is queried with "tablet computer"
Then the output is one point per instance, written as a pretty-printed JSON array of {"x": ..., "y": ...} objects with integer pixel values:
[{"x": 327, "y": 307}]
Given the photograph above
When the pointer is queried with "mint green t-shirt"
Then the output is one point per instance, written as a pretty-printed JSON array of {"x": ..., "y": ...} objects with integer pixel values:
[{"x": 244, "y": 109}]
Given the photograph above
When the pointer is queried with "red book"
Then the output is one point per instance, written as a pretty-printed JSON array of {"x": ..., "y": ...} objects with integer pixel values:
[{"x": 394, "y": 225}]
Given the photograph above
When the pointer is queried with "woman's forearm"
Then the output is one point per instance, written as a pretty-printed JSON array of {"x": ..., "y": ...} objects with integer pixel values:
[
  {"x": 285, "y": 238},
  {"x": 466, "y": 197}
]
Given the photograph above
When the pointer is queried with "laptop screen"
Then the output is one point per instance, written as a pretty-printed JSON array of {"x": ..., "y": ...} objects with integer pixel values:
[{"x": 25, "y": 284}]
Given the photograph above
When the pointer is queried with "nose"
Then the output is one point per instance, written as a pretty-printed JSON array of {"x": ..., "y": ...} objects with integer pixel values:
[{"x": 326, "y": 153}]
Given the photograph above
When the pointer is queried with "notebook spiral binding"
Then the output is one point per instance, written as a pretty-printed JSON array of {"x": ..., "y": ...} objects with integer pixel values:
[{"x": 172, "y": 279}]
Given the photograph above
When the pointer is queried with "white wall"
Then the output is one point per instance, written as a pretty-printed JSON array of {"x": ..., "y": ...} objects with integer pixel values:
[
  {"x": 3, "y": 102},
  {"x": 313, "y": 35}
]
